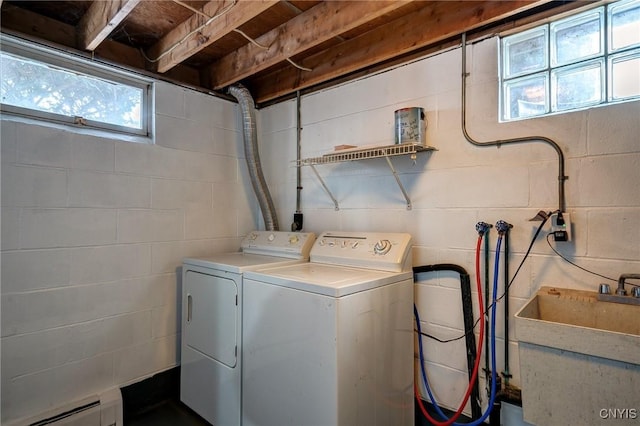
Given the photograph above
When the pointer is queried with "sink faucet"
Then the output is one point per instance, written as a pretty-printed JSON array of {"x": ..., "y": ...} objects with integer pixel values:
[{"x": 620, "y": 290}]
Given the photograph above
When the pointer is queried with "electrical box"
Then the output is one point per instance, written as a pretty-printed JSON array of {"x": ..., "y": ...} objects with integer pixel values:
[{"x": 561, "y": 226}]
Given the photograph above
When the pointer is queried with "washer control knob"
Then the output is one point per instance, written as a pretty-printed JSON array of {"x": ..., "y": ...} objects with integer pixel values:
[
  {"x": 382, "y": 247},
  {"x": 271, "y": 237},
  {"x": 293, "y": 239},
  {"x": 354, "y": 244}
]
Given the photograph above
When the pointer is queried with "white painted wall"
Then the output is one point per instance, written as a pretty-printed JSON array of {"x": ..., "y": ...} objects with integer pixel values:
[
  {"x": 459, "y": 185},
  {"x": 93, "y": 230}
]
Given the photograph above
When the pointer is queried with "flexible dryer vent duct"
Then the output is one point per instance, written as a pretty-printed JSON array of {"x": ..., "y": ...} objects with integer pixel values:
[{"x": 253, "y": 157}]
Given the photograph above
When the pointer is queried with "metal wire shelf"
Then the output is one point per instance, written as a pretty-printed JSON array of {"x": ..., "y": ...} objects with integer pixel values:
[{"x": 355, "y": 154}]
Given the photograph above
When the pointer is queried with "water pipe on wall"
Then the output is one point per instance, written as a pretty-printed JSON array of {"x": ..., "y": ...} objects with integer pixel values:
[
  {"x": 252, "y": 156},
  {"x": 561, "y": 176}
]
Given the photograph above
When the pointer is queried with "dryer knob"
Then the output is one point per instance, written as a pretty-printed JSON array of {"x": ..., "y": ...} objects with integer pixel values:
[
  {"x": 271, "y": 237},
  {"x": 293, "y": 239},
  {"x": 382, "y": 247}
]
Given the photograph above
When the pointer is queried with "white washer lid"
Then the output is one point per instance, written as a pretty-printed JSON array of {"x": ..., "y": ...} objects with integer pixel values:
[
  {"x": 239, "y": 262},
  {"x": 329, "y": 280}
]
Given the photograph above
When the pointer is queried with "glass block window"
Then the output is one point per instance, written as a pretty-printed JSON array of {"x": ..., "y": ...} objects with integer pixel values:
[{"x": 587, "y": 59}]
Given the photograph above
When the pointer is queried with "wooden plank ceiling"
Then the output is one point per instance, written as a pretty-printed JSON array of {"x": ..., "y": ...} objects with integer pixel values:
[{"x": 273, "y": 47}]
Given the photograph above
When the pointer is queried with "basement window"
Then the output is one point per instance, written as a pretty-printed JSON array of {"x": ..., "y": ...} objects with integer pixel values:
[
  {"x": 584, "y": 60},
  {"x": 53, "y": 86}
]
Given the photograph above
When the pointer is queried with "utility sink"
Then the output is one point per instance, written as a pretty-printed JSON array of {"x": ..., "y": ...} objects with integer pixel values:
[
  {"x": 579, "y": 359},
  {"x": 575, "y": 320}
]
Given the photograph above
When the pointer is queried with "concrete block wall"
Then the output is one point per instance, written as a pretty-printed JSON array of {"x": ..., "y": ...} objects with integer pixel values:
[
  {"x": 460, "y": 184},
  {"x": 94, "y": 230}
]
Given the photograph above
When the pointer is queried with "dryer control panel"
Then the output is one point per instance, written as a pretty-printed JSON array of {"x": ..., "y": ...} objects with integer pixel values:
[
  {"x": 296, "y": 245},
  {"x": 383, "y": 251}
]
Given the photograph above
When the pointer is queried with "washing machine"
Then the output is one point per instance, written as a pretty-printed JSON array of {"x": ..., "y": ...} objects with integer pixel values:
[
  {"x": 330, "y": 342},
  {"x": 212, "y": 305}
]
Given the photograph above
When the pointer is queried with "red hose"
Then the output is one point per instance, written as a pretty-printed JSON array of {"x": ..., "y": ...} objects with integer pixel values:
[{"x": 474, "y": 374}]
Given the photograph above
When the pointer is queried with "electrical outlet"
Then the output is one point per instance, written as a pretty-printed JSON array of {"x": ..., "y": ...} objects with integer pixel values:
[{"x": 561, "y": 226}]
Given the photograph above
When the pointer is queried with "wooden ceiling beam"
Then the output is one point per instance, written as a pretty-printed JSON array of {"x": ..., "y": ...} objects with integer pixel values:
[
  {"x": 23, "y": 23},
  {"x": 100, "y": 20},
  {"x": 435, "y": 22},
  {"x": 311, "y": 28},
  {"x": 192, "y": 35}
]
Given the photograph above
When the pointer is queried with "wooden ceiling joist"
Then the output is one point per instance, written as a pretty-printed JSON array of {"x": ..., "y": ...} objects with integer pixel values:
[
  {"x": 59, "y": 33},
  {"x": 328, "y": 20},
  {"x": 291, "y": 44},
  {"x": 191, "y": 36},
  {"x": 100, "y": 20},
  {"x": 37, "y": 26},
  {"x": 422, "y": 28}
]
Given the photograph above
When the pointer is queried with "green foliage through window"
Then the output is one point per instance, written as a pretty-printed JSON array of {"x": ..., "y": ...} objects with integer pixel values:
[{"x": 40, "y": 88}]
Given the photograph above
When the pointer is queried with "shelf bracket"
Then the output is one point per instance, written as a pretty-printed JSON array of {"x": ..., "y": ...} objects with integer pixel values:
[
  {"x": 326, "y": 189},
  {"x": 395, "y": 175},
  {"x": 367, "y": 153}
]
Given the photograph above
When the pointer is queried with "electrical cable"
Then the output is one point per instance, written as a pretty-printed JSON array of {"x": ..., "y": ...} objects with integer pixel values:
[
  {"x": 195, "y": 31},
  {"x": 533, "y": 240},
  {"x": 474, "y": 373},
  {"x": 493, "y": 353},
  {"x": 526, "y": 255},
  {"x": 211, "y": 18},
  {"x": 577, "y": 266}
]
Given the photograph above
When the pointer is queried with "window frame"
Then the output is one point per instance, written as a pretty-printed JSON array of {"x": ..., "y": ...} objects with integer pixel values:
[
  {"x": 80, "y": 65},
  {"x": 607, "y": 57}
]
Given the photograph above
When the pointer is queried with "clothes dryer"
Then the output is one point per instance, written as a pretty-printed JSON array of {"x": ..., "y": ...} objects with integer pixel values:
[
  {"x": 330, "y": 342},
  {"x": 212, "y": 305}
]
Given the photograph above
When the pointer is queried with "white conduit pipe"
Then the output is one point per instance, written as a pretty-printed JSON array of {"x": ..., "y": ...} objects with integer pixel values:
[{"x": 253, "y": 157}]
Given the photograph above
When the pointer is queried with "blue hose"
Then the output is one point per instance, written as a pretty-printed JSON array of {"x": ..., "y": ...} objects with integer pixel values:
[{"x": 492, "y": 330}]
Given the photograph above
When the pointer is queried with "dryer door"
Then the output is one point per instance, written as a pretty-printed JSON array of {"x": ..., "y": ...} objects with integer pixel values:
[{"x": 211, "y": 316}]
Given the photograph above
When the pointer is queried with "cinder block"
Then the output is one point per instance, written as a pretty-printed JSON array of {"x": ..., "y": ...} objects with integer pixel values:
[
  {"x": 10, "y": 228},
  {"x": 173, "y": 194},
  {"x": 150, "y": 160},
  {"x": 89, "y": 189},
  {"x": 136, "y": 226},
  {"x": 109, "y": 263},
  {"x": 610, "y": 181},
  {"x": 40, "y": 228},
  {"x": 35, "y": 269},
  {"x": 170, "y": 99},
  {"x": 614, "y": 234},
  {"x": 24, "y": 186},
  {"x": 43, "y": 145},
  {"x": 92, "y": 153}
]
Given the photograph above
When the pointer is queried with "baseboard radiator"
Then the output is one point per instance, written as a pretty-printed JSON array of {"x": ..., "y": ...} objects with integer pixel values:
[{"x": 98, "y": 410}]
